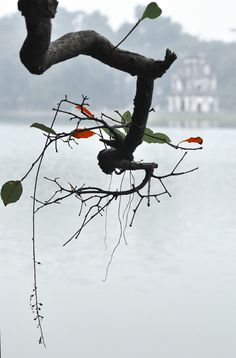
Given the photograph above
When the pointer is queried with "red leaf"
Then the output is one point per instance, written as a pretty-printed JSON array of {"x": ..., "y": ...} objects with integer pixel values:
[
  {"x": 85, "y": 111},
  {"x": 82, "y": 133},
  {"x": 198, "y": 140}
]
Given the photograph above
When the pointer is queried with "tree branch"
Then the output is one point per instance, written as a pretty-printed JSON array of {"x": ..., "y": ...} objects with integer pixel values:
[
  {"x": 38, "y": 54},
  {"x": 142, "y": 104},
  {"x": 109, "y": 159}
]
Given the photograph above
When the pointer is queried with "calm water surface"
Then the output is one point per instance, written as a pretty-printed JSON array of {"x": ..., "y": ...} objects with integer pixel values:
[{"x": 171, "y": 292}]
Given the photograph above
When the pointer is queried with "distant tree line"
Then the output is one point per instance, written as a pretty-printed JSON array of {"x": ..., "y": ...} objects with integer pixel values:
[{"x": 21, "y": 90}]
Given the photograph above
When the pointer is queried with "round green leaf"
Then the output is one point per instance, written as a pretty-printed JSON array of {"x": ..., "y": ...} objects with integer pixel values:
[
  {"x": 11, "y": 191},
  {"x": 152, "y": 11}
]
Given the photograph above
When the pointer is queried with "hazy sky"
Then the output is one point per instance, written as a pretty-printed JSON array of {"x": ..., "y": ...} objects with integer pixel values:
[{"x": 208, "y": 19}]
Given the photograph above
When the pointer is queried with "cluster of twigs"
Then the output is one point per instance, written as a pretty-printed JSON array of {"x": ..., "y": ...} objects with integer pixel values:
[{"x": 93, "y": 200}]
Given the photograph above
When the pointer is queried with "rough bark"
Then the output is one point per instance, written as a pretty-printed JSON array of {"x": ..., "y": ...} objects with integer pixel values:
[{"x": 38, "y": 54}]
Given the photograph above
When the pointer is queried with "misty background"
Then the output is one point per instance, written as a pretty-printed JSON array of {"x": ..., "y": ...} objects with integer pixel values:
[
  {"x": 107, "y": 88},
  {"x": 171, "y": 291}
]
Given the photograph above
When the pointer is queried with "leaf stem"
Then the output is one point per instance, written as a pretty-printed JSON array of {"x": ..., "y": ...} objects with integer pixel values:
[{"x": 134, "y": 27}]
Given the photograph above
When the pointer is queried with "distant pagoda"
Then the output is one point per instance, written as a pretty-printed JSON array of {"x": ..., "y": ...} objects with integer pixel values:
[{"x": 193, "y": 88}]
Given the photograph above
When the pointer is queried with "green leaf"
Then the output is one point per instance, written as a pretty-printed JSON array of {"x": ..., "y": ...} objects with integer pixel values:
[
  {"x": 11, "y": 191},
  {"x": 161, "y": 138},
  {"x": 147, "y": 137},
  {"x": 151, "y": 137},
  {"x": 107, "y": 131},
  {"x": 127, "y": 118},
  {"x": 119, "y": 134},
  {"x": 152, "y": 11},
  {"x": 44, "y": 128}
]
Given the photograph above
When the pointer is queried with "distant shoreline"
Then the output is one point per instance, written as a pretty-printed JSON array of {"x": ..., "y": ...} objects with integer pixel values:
[
  {"x": 24, "y": 116},
  {"x": 157, "y": 119}
]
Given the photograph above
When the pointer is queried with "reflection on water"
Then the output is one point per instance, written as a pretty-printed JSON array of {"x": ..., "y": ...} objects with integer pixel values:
[{"x": 170, "y": 291}]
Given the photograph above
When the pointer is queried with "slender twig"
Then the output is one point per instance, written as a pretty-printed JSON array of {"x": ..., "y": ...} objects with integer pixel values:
[
  {"x": 109, "y": 117},
  {"x": 173, "y": 171},
  {"x": 181, "y": 159},
  {"x": 36, "y": 161},
  {"x": 37, "y": 305},
  {"x": 183, "y": 148},
  {"x": 35, "y": 290},
  {"x": 87, "y": 220},
  {"x": 135, "y": 211},
  {"x": 165, "y": 188}
]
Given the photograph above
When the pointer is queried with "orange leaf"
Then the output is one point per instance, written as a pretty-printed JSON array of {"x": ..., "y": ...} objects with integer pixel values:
[
  {"x": 85, "y": 111},
  {"x": 82, "y": 133},
  {"x": 198, "y": 140}
]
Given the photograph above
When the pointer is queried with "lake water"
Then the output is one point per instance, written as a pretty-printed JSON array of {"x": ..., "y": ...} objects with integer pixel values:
[{"x": 170, "y": 293}]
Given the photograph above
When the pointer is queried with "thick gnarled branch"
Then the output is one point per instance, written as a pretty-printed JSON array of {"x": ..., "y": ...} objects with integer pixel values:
[
  {"x": 38, "y": 54},
  {"x": 109, "y": 159},
  {"x": 142, "y": 104}
]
